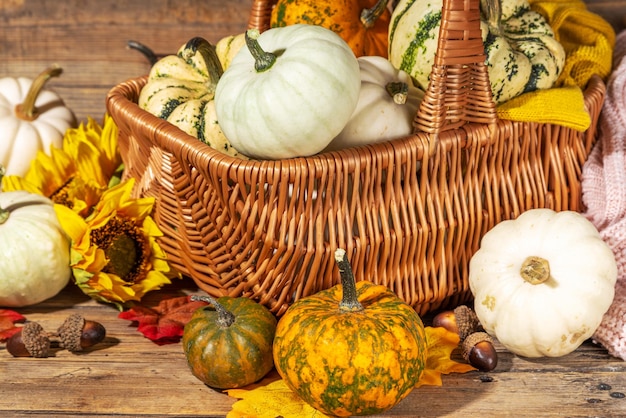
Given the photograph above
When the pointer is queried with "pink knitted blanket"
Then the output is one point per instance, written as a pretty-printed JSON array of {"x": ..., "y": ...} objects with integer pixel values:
[{"x": 604, "y": 195}]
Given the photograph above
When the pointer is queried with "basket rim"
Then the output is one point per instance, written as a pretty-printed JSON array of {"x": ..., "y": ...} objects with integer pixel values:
[{"x": 123, "y": 98}]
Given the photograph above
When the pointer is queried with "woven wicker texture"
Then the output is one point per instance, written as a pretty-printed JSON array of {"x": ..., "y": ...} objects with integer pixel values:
[{"x": 410, "y": 212}]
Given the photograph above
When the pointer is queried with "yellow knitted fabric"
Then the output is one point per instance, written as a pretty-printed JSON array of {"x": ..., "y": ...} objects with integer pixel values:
[{"x": 588, "y": 41}]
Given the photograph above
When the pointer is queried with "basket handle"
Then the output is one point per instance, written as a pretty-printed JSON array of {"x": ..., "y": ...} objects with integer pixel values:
[
  {"x": 260, "y": 14},
  {"x": 459, "y": 91}
]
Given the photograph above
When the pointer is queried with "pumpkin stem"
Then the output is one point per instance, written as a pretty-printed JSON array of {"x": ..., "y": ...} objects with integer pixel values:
[
  {"x": 492, "y": 9},
  {"x": 4, "y": 213},
  {"x": 27, "y": 110},
  {"x": 225, "y": 318},
  {"x": 208, "y": 54},
  {"x": 349, "y": 299},
  {"x": 369, "y": 16},
  {"x": 535, "y": 270},
  {"x": 398, "y": 90},
  {"x": 147, "y": 52},
  {"x": 263, "y": 60}
]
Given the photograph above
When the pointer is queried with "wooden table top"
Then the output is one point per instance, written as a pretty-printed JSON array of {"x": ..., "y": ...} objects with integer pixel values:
[{"x": 128, "y": 375}]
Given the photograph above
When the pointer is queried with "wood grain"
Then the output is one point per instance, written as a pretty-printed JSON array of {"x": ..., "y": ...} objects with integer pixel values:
[
  {"x": 88, "y": 39},
  {"x": 128, "y": 375}
]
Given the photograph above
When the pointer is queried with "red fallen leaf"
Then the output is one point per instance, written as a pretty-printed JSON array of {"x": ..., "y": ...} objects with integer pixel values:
[
  {"x": 8, "y": 319},
  {"x": 165, "y": 322}
]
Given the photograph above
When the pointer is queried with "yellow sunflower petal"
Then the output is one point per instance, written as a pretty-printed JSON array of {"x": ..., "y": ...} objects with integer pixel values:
[
  {"x": 153, "y": 281},
  {"x": 73, "y": 224}
]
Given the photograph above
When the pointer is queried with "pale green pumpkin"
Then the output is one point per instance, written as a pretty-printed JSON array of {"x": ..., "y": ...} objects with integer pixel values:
[{"x": 288, "y": 93}]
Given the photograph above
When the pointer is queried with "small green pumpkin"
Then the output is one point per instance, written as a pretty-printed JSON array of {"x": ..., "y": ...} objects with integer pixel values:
[
  {"x": 181, "y": 89},
  {"x": 229, "y": 343},
  {"x": 353, "y": 349}
]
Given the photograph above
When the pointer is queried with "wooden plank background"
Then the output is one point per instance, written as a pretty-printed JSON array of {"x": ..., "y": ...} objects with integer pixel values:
[{"x": 88, "y": 39}]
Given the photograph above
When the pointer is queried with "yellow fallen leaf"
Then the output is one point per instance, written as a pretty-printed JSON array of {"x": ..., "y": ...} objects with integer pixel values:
[
  {"x": 271, "y": 398},
  {"x": 441, "y": 343}
]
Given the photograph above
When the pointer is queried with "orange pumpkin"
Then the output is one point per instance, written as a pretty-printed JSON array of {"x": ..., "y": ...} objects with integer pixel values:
[
  {"x": 353, "y": 349},
  {"x": 363, "y": 24}
]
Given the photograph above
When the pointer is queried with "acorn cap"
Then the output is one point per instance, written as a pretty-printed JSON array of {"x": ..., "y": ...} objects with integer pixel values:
[
  {"x": 467, "y": 321},
  {"x": 35, "y": 339},
  {"x": 473, "y": 339},
  {"x": 70, "y": 332}
]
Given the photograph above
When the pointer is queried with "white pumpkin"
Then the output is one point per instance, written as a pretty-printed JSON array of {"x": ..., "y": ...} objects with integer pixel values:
[
  {"x": 293, "y": 104},
  {"x": 387, "y": 105},
  {"x": 35, "y": 262},
  {"x": 542, "y": 282},
  {"x": 32, "y": 119}
]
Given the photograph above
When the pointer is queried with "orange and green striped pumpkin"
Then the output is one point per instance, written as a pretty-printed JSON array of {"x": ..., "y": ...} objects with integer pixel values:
[
  {"x": 228, "y": 344},
  {"x": 363, "y": 24},
  {"x": 353, "y": 349}
]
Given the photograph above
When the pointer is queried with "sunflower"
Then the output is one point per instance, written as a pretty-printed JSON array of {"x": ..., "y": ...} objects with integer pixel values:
[
  {"x": 114, "y": 255},
  {"x": 76, "y": 174}
]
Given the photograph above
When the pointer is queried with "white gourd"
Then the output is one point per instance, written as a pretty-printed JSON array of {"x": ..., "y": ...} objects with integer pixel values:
[
  {"x": 542, "y": 282},
  {"x": 295, "y": 106},
  {"x": 32, "y": 119},
  {"x": 35, "y": 262},
  {"x": 387, "y": 105}
]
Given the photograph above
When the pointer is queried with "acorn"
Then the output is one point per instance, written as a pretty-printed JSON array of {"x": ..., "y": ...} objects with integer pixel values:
[
  {"x": 462, "y": 321},
  {"x": 77, "y": 333},
  {"x": 478, "y": 350},
  {"x": 30, "y": 341}
]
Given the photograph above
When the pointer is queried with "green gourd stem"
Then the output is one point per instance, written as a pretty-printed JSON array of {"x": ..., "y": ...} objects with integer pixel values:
[
  {"x": 147, "y": 52},
  {"x": 208, "y": 54},
  {"x": 492, "y": 9},
  {"x": 27, "y": 109},
  {"x": 225, "y": 318},
  {"x": 263, "y": 60},
  {"x": 4, "y": 213},
  {"x": 398, "y": 90},
  {"x": 371, "y": 15},
  {"x": 535, "y": 270},
  {"x": 349, "y": 300}
]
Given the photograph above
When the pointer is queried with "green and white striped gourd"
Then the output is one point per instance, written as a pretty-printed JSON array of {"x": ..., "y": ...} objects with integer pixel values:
[
  {"x": 521, "y": 50},
  {"x": 181, "y": 89}
]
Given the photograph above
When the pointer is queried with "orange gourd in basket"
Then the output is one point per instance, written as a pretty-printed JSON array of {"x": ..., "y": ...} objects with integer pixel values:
[{"x": 363, "y": 24}]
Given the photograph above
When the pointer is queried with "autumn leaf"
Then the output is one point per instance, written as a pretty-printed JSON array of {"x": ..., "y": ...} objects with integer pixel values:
[
  {"x": 441, "y": 344},
  {"x": 271, "y": 397},
  {"x": 165, "y": 322},
  {"x": 8, "y": 319}
]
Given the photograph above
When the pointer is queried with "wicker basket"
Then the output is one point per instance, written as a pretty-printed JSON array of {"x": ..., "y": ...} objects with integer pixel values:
[{"x": 410, "y": 212}]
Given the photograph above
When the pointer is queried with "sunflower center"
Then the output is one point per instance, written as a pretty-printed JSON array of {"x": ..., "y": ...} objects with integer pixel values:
[
  {"x": 61, "y": 195},
  {"x": 126, "y": 249}
]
